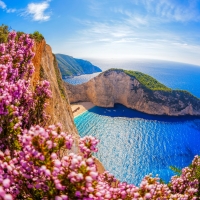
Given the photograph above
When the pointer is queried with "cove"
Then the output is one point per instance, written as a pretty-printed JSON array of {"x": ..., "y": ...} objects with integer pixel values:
[{"x": 134, "y": 144}]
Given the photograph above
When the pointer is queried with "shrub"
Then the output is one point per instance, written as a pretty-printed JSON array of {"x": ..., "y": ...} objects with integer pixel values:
[
  {"x": 38, "y": 37},
  {"x": 3, "y": 33},
  {"x": 147, "y": 80}
]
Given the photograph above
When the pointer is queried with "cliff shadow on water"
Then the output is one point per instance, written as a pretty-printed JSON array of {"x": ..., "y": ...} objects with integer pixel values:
[{"x": 122, "y": 111}]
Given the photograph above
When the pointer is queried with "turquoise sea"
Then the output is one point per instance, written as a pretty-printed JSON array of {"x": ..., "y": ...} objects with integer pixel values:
[{"x": 133, "y": 144}]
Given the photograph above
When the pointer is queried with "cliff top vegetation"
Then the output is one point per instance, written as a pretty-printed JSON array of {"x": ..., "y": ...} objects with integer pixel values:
[
  {"x": 146, "y": 80},
  {"x": 4, "y": 31}
]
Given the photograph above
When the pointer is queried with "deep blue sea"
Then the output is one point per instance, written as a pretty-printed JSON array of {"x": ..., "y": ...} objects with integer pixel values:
[{"x": 133, "y": 144}]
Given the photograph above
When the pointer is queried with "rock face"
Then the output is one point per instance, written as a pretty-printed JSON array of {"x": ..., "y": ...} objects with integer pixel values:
[
  {"x": 46, "y": 68},
  {"x": 115, "y": 86},
  {"x": 59, "y": 108}
]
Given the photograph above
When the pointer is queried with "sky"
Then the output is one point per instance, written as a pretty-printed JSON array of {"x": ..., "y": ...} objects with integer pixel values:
[{"x": 111, "y": 29}]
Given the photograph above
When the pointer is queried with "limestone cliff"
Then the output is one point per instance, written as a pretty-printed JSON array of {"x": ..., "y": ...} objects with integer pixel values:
[
  {"x": 46, "y": 68},
  {"x": 116, "y": 86},
  {"x": 59, "y": 109}
]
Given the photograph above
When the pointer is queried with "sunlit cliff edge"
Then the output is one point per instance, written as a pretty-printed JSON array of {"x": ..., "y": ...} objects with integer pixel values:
[
  {"x": 46, "y": 68},
  {"x": 58, "y": 109}
]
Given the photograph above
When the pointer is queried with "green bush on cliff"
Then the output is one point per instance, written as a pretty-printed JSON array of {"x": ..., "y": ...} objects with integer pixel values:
[
  {"x": 147, "y": 80},
  {"x": 37, "y": 36},
  {"x": 3, "y": 33}
]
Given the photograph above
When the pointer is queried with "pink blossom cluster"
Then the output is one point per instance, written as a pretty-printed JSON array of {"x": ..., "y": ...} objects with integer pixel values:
[
  {"x": 35, "y": 162},
  {"x": 19, "y": 104},
  {"x": 88, "y": 145},
  {"x": 42, "y": 169}
]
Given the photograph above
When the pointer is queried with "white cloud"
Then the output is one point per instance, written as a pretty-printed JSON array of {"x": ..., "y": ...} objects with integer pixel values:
[
  {"x": 133, "y": 36},
  {"x": 172, "y": 10},
  {"x": 11, "y": 10},
  {"x": 36, "y": 10},
  {"x": 2, "y": 5}
]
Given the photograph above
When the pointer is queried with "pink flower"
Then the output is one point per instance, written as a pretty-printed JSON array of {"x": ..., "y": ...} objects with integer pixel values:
[
  {"x": 88, "y": 178},
  {"x": 57, "y": 163},
  {"x": 148, "y": 195},
  {"x": 2, "y": 192},
  {"x": 6, "y": 183},
  {"x": 8, "y": 197}
]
